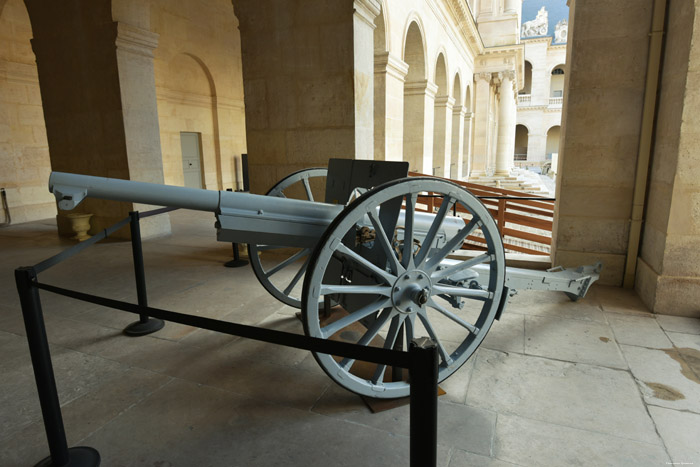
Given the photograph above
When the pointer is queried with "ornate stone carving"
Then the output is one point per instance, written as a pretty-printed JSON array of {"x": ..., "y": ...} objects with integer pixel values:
[
  {"x": 538, "y": 26},
  {"x": 561, "y": 30},
  {"x": 486, "y": 76},
  {"x": 507, "y": 74}
]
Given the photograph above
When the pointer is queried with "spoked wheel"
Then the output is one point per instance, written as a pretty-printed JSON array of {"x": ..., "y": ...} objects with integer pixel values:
[
  {"x": 281, "y": 269},
  {"x": 386, "y": 264}
]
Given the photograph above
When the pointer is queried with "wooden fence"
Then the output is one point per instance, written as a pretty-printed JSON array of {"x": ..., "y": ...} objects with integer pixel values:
[{"x": 525, "y": 224}]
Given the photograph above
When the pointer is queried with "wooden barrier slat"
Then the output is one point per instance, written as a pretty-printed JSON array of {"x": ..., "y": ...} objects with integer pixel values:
[{"x": 528, "y": 236}]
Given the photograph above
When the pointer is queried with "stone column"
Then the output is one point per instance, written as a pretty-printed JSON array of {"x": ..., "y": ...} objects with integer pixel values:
[
  {"x": 363, "y": 45},
  {"x": 482, "y": 112},
  {"x": 458, "y": 113},
  {"x": 513, "y": 6},
  {"x": 506, "y": 124},
  {"x": 389, "y": 75},
  {"x": 442, "y": 144},
  {"x": 98, "y": 93},
  {"x": 419, "y": 103},
  {"x": 467, "y": 148}
]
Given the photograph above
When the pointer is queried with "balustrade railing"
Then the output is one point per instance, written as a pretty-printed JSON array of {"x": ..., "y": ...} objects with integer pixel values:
[{"x": 524, "y": 99}]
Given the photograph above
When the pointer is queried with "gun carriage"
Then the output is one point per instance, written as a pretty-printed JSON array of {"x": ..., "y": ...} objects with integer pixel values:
[{"x": 388, "y": 269}]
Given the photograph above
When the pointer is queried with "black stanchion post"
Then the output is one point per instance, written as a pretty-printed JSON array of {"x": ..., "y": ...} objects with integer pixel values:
[
  {"x": 144, "y": 325},
  {"x": 45, "y": 381},
  {"x": 424, "y": 392}
]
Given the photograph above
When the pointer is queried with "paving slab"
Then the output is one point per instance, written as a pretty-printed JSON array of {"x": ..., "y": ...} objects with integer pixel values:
[
  {"x": 681, "y": 340},
  {"x": 570, "y": 394},
  {"x": 82, "y": 416},
  {"x": 666, "y": 379},
  {"x": 468, "y": 459},
  {"x": 618, "y": 300},
  {"x": 680, "y": 432},
  {"x": 459, "y": 426},
  {"x": 507, "y": 334},
  {"x": 76, "y": 374},
  {"x": 546, "y": 303},
  {"x": 220, "y": 428},
  {"x": 679, "y": 324},
  {"x": 572, "y": 340},
  {"x": 536, "y": 443},
  {"x": 642, "y": 331}
]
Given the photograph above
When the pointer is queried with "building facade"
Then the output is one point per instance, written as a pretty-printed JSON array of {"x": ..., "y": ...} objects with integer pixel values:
[{"x": 538, "y": 123}]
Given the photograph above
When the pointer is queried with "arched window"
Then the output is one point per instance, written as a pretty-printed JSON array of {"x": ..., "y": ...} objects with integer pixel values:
[
  {"x": 521, "y": 138},
  {"x": 556, "y": 86}
]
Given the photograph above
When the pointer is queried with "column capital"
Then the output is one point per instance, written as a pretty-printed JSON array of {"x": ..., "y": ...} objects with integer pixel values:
[
  {"x": 367, "y": 10},
  {"x": 134, "y": 39},
  {"x": 506, "y": 75},
  {"x": 485, "y": 75},
  {"x": 390, "y": 64}
]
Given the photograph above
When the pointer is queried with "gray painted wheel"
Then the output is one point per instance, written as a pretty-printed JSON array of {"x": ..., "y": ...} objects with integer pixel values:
[
  {"x": 281, "y": 269},
  {"x": 391, "y": 284}
]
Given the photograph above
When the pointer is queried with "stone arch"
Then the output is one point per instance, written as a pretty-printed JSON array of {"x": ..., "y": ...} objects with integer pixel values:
[
  {"x": 468, "y": 98},
  {"x": 382, "y": 35},
  {"x": 186, "y": 95},
  {"x": 415, "y": 49},
  {"x": 553, "y": 137},
  {"x": 457, "y": 148},
  {"x": 416, "y": 146},
  {"x": 556, "y": 82},
  {"x": 442, "y": 126},
  {"x": 527, "y": 78},
  {"x": 24, "y": 152},
  {"x": 522, "y": 133}
]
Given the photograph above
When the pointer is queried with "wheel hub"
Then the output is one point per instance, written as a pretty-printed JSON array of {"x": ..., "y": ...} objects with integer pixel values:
[{"x": 411, "y": 291}]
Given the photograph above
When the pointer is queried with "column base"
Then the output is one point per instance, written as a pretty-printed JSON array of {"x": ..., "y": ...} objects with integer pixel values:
[{"x": 79, "y": 456}]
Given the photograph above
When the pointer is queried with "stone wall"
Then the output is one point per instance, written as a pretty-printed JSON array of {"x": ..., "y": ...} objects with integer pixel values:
[
  {"x": 606, "y": 63},
  {"x": 199, "y": 87},
  {"x": 668, "y": 274},
  {"x": 24, "y": 149}
]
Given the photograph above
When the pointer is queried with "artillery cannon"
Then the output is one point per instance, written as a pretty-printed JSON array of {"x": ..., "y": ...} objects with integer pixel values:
[{"x": 390, "y": 268}]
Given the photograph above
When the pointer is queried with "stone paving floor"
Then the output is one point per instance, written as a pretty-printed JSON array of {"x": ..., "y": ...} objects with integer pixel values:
[{"x": 598, "y": 382}]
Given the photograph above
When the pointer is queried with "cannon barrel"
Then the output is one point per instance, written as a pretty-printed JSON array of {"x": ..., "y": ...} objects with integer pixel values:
[{"x": 241, "y": 217}]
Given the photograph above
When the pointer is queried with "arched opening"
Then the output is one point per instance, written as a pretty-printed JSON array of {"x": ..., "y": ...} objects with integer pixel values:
[
  {"x": 414, "y": 99},
  {"x": 442, "y": 121},
  {"x": 185, "y": 92},
  {"x": 553, "y": 135},
  {"x": 24, "y": 151},
  {"x": 556, "y": 85},
  {"x": 527, "y": 89},
  {"x": 457, "y": 130},
  {"x": 468, "y": 133},
  {"x": 521, "y": 137}
]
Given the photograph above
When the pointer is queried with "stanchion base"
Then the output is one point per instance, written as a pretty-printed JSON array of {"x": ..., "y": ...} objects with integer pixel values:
[
  {"x": 141, "y": 329},
  {"x": 236, "y": 263},
  {"x": 80, "y": 456}
]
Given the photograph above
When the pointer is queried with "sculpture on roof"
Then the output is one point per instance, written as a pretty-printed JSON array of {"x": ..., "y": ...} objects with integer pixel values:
[
  {"x": 536, "y": 27},
  {"x": 561, "y": 30}
]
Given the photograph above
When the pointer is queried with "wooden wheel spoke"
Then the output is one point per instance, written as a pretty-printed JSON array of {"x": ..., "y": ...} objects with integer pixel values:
[
  {"x": 307, "y": 188},
  {"x": 297, "y": 276},
  {"x": 407, "y": 255},
  {"x": 461, "y": 266},
  {"x": 287, "y": 262},
  {"x": 470, "y": 327},
  {"x": 423, "y": 316},
  {"x": 391, "y": 336},
  {"x": 445, "y": 207},
  {"x": 327, "y": 289},
  {"x": 345, "y": 251},
  {"x": 335, "y": 326},
  {"x": 396, "y": 267},
  {"x": 367, "y": 337},
  {"x": 454, "y": 243}
]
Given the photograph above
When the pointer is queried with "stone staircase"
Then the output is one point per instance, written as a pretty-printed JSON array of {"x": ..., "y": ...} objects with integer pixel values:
[{"x": 518, "y": 180}]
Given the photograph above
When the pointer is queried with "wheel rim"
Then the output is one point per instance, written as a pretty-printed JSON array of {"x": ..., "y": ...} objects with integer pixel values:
[
  {"x": 281, "y": 269},
  {"x": 387, "y": 283}
]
